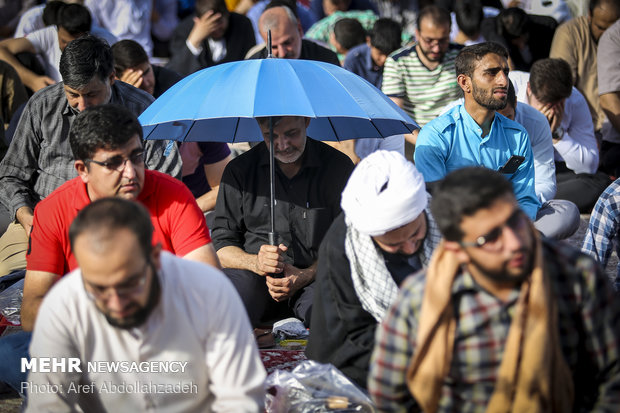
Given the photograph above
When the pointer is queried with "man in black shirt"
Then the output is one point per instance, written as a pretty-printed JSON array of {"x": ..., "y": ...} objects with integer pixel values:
[{"x": 275, "y": 280}]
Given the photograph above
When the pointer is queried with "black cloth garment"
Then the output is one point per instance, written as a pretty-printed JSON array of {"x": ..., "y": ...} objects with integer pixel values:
[
  {"x": 239, "y": 39},
  {"x": 541, "y": 31},
  {"x": 342, "y": 332},
  {"x": 581, "y": 189},
  {"x": 164, "y": 79},
  {"x": 309, "y": 51},
  {"x": 305, "y": 207}
]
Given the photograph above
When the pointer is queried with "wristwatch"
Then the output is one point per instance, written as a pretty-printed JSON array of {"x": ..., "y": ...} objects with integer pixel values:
[{"x": 558, "y": 134}]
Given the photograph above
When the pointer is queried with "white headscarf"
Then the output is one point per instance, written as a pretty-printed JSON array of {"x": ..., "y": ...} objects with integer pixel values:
[{"x": 384, "y": 192}]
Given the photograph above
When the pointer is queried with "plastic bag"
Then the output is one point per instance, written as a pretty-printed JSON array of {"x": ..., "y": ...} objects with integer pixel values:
[
  {"x": 314, "y": 388},
  {"x": 11, "y": 302}
]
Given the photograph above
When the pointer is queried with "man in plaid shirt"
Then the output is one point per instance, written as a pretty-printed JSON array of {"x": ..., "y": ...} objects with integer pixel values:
[
  {"x": 603, "y": 227},
  {"x": 502, "y": 320}
]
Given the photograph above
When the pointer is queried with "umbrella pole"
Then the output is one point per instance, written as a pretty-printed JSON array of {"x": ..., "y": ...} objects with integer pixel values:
[{"x": 272, "y": 179}]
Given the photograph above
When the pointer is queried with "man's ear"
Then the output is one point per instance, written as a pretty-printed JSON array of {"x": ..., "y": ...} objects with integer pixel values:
[
  {"x": 82, "y": 170},
  {"x": 307, "y": 120},
  {"x": 464, "y": 82},
  {"x": 455, "y": 247},
  {"x": 112, "y": 77}
]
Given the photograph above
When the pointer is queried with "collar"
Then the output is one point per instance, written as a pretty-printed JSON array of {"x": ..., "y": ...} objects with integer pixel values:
[{"x": 471, "y": 124}]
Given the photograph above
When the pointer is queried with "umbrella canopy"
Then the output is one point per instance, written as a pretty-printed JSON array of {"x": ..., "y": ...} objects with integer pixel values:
[{"x": 220, "y": 103}]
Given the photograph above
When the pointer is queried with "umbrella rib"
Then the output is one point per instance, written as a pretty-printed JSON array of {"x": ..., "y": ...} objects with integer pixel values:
[
  {"x": 333, "y": 129},
  {"x": 188, "y": 131},
  {"x": 236, "y": 128}
]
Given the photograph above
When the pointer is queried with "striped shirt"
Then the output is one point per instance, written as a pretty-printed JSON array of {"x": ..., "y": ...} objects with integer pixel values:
[
  {"x": 425, "y": 92},
  {"x": 588, "y": 324}
]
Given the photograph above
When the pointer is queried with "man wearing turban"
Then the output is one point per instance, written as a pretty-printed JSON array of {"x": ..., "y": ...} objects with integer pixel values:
[{"x": 384, "y": 235}]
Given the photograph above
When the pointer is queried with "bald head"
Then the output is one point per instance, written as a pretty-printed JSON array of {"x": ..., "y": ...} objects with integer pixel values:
[{"x": 285, "y": 29}]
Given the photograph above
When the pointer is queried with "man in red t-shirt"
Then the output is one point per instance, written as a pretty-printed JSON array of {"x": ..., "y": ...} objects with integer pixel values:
[{"x": 109, "y": 158}]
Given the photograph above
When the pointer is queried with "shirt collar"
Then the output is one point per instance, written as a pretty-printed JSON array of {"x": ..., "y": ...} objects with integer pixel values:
[{"x": 471, "y": 124}]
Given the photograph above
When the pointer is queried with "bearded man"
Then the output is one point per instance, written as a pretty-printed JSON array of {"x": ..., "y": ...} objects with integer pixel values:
[{"x": 474, "y": 134}]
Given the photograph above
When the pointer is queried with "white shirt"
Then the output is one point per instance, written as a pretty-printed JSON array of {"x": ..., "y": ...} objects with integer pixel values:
[
  {"x": 366, "y": 146},
  {"x": 537, "y": 127},
  {"x": 33, "y": 20},
  {"x": 45, "y": 43},
  {"x": 578, "y": 146},
  {"x": 125, "y": 19},
  {"x": 199, "y": 319}
]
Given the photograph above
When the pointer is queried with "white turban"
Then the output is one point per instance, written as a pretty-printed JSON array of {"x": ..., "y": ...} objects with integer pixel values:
[{"x": 385, "y": 192}]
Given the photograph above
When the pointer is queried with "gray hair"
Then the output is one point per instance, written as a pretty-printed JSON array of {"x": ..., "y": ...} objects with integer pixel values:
[{"x": 270, "y": 21}]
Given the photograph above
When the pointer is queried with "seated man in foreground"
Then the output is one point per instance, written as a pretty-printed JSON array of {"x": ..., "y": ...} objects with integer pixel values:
[
  {"x": 473, "y": 134},
  {"x": 107, "y": 146},
  {"x": 385, "y": 234},
  {"x": 501, "y": 320},
  {"x": 131, "y": 302},
  {"x": 309, "y": 177}
]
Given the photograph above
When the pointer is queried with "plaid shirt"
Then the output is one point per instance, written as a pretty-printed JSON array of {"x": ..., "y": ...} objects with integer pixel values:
[
  {"x": 588, "y": 322},
  {"x": 602, "y": 231},
  {"x": 40, "y": 159}
]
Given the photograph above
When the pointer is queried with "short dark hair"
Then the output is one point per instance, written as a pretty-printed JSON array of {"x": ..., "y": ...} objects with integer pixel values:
[
  {"x": 386, "y": 35},
  {"x": 127, "y": 54},
  {"x": 217, "y": 6},
  {"x": 438, "y": 15},
  {"x": 512, "y": 23},
  {"x": 464, "y": 192},
  {"x": 595, "y": 3},
  {"x": 74, "y": 18},
  {"x": 113, "y": 214},
  {"x": 85, "y": 58},
  {"x": 511, "y": 96},
  {"x": 465, "y": 62},
  {"x": 349, "y": 33},
  {"x": 469, "y": 16},
  {"x": 551, "y": 80},
  {"x": 102, "y": 127}
]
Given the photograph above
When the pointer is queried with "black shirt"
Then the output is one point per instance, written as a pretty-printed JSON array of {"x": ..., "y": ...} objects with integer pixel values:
[{"x": 306, "y": 204}]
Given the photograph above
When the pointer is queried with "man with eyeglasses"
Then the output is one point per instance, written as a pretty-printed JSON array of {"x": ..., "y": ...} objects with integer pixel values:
[
  {"x": 180, "y": 323},
  {"x": 502, "y": 319},
  {"x": 420, "y": 78},
  {"x": 106, "y": 142},
  {"x": 39, "y": 158}
]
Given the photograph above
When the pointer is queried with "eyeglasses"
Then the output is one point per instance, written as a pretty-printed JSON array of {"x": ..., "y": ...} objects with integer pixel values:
[
  {"x": 492, "y": 240},
  {"x": 117, "y": 163},
  {"x": 133, "y": 286}
]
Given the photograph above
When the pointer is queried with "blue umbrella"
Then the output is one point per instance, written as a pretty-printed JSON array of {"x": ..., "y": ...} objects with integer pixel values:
[{"x": 220, "y": 104}]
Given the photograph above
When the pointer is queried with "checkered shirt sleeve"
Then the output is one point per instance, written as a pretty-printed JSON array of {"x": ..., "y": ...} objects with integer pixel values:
[{"x": 602, "y": 232}]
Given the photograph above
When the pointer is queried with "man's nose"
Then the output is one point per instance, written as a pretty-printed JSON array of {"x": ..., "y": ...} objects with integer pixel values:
[
  {"x": 129, "y": 169},
  {"x": 82, "y": 104},
  {"x": 409, "y": 247},
  {"x": 116, "y": 302},
  {"x": 512, "y": 240}
]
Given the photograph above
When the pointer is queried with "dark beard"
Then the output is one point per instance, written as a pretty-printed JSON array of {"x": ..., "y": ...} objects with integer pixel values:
[
  {"x": 488, "y": 101},
  {"x": 140, "y": 316}
]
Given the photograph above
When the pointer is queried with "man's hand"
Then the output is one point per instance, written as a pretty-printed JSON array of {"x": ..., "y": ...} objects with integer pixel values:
[
  {"x": 204, "y": 26},
  {"x": 25, "y": 216},
  {"x": 270, "y": 259},
  {"x": 133, "y": 77},
  {"x": 294, "y": 279},
  {"x": 554, "y": 114},
  {"x": 39, "y": 82}
]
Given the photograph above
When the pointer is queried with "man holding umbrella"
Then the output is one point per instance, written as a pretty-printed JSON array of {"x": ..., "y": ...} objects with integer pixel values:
[{"x": 277, "y": 280}]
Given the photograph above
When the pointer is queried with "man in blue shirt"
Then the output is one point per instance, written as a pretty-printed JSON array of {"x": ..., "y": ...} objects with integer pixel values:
[
  {"x": 367, "y": 60},
  {"x": 473, "y": 134}
]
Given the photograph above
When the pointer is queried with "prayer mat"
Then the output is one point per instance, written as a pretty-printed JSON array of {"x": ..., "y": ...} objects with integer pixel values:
[{"x": 280, "y": 359}]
